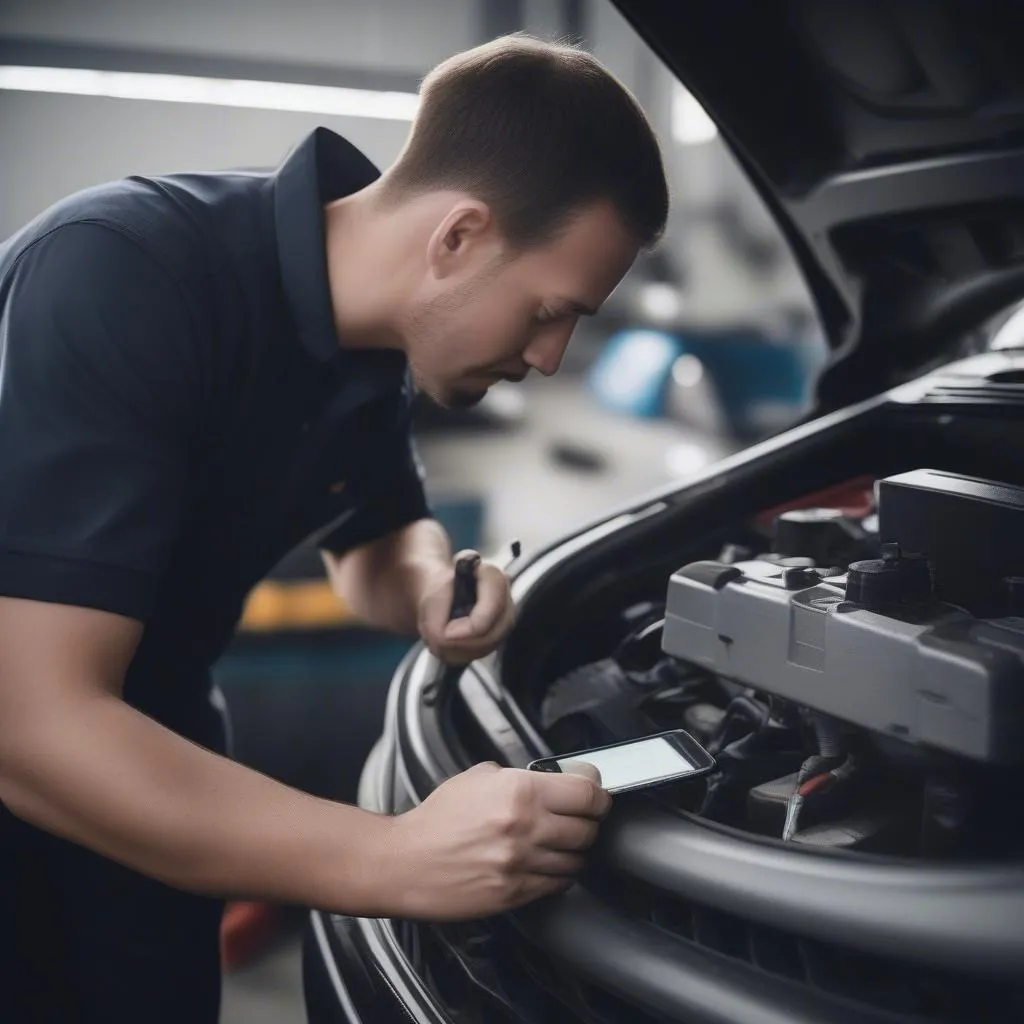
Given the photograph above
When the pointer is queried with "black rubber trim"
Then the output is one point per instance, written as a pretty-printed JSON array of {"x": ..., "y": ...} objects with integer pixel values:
[
  {"x": 967, "y": 918},
  {"x": 384, "y": 983},
  {"x": 412, "y": 676},
  {"x": 334, "y": 972},
  {"x": 654, "y": 970}
]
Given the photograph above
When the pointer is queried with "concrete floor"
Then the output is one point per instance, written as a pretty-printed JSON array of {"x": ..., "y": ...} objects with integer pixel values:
[
  {"x": 532, "y": 491},
  {"x": 531, "y": 494},
  {"x": 269, "y": 990}
]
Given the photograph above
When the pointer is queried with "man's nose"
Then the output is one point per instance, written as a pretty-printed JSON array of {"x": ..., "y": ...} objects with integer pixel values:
[{"x": 547, "y": 348}]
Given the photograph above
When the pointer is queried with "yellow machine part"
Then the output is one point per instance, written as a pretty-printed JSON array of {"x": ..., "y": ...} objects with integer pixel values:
[{"x": 303, "y": 604}]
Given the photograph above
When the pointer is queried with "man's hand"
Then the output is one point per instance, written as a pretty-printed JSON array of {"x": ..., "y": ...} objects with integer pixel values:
[
  {"x": 492, "y": 839},
  {"x": 475, "y": 635}
]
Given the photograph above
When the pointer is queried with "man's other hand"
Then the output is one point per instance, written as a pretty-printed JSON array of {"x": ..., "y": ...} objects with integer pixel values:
[{"x": 473, "y": 636}]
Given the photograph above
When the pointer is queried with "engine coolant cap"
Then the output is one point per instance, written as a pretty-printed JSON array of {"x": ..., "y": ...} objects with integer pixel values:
[{"x": 894, "y": 578}]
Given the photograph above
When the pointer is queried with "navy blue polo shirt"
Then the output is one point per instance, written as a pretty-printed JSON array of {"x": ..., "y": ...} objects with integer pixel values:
[{"x": 177, "y": 412}]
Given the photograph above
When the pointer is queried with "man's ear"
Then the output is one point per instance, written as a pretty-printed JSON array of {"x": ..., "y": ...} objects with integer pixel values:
[{"x": 466, "y": 238}]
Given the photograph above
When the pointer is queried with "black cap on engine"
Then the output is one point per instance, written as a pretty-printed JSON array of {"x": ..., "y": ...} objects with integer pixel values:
[{"x": 894, "y": 578}]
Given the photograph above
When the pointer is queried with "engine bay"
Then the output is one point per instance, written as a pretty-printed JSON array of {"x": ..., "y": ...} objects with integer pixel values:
[
  {"x": 854, "y": 660},
  {"x": 845, "y": 637}
]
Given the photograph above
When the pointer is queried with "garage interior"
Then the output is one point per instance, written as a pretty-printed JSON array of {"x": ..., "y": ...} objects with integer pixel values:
[{"x": 710, "y": 344}]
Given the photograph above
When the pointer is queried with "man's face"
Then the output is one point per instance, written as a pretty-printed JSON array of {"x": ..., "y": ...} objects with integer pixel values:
[{"x": 489, "y": 317}]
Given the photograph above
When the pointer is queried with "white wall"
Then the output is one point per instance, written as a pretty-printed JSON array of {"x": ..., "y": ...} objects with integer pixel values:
[
  {"x": 407, "y": 35},
  {"x": 542, "y": 18},
  {"x": 54, "y": 145}
]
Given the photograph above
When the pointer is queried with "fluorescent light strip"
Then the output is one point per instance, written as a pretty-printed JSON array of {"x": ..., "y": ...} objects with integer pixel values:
[{"x": 223, "y": 92}]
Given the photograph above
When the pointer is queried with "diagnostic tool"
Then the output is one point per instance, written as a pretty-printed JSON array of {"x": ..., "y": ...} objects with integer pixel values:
[{"x": 640, "y": 763}]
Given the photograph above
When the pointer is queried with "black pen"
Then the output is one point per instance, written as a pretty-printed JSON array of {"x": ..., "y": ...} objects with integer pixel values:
[
  {"x": 464, "y": 586},
  {"x": 463, "y": 600},
  {"x": 515, "y": 550}
]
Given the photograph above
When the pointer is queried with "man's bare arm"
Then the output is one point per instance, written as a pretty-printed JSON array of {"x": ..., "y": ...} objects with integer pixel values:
[
  {"x": 77, "y": 761},
  {"x": 403, "y": 582},
  {"x": 385, "y": 581}
]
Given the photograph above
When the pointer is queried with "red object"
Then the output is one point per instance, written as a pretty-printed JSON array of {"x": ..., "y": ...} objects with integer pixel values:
[
  {"x": 245, "y": 930},
  {"x": 855, "y": 498},
  {"x": 816, "y": 783}
]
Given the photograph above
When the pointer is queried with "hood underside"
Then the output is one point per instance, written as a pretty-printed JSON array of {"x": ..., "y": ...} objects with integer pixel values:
[{"x": 887, "y": 137}]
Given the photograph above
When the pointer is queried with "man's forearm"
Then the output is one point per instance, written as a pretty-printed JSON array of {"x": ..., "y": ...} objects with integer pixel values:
[
  {"x": 384, "y": 581},
  {"x": 103, "y": 775}
]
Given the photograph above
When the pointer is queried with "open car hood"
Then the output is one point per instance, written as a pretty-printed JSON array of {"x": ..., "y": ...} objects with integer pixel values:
[{"x": 887, "y": 137}]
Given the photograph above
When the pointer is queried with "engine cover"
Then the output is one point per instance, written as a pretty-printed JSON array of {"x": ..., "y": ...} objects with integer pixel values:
[{"x": 870, "y": 645}]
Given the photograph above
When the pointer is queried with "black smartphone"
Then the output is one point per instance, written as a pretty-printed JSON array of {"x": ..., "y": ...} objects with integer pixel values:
[{"x": 640, "y": 763}]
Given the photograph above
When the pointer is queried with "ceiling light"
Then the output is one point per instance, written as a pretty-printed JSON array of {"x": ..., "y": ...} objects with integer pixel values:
[
  {"x": 222, "y": 92},
  {"x": 690, "y": 122},
  {"x": 688, "y": 370},
  {"x": 685, "y": 458},
  {"x": 659, "y": 302}
]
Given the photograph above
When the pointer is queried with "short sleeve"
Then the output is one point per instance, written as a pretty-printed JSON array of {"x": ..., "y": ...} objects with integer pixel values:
[
  {"x": 95, "y": 408},
  {"x": 391, "y": 490}
]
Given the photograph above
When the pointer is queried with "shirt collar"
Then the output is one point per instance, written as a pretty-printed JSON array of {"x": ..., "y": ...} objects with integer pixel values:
[{"x": 321, "y": 168}]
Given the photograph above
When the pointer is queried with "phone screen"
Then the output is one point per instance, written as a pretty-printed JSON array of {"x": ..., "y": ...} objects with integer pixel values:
[{"x": 635, "y": 764}]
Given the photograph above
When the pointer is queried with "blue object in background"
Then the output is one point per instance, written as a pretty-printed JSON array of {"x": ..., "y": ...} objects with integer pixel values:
[
  {"x": 762, "y": 384},
  {"x": 464, "y": 518},
  {"x": 631, "y": 375},
  {"x": 755, "y": 384}
]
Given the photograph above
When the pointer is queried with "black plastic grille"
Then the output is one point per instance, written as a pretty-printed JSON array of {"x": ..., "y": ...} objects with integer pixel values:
[
  {"x": 587, "y": 1002},
  {"x": 917, "y": 993}
]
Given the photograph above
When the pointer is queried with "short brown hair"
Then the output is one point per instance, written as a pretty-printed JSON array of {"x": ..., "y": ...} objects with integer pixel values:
[{"x": 537, "y": 131}]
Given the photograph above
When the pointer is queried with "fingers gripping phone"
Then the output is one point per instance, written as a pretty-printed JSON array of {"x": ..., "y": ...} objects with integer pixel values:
[{"x": 641, "y": 763}]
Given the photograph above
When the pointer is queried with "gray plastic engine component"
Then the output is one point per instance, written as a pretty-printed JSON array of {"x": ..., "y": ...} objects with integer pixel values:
[{"x": 930, "y": 674}]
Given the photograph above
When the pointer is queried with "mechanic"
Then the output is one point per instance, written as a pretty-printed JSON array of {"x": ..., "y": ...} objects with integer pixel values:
[{"x": 200, "y": 371}]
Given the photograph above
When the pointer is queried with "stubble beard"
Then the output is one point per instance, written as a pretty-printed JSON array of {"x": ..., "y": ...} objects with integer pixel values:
[
  {"x": 446, "y": 397},
  {"x": 429, "y": 326}
]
